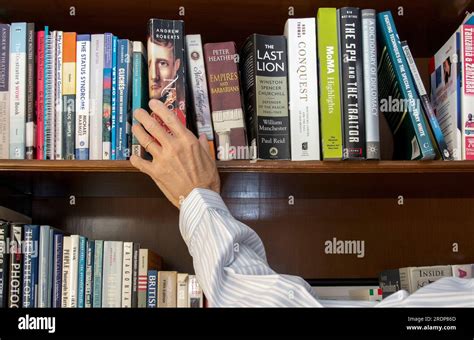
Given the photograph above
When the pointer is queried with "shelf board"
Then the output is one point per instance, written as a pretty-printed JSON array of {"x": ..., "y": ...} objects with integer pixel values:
[{"x": 328, "y": 167}]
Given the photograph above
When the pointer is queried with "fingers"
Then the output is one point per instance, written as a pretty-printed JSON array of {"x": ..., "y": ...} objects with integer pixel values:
[
  {"x": 204, "y": 143},
  {"x": 146, "y": 140},
  {"x": 141, "y": 164},
  {"x": 168, "y": 117},
  {"x": 152, "y": 126}
]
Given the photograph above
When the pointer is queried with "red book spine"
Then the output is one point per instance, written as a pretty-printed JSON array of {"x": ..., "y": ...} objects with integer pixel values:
[{"x": 40, "y": 95}]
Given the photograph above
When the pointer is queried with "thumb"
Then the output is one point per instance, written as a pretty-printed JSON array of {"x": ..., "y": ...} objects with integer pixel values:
[{"x": 204, "y": 143}]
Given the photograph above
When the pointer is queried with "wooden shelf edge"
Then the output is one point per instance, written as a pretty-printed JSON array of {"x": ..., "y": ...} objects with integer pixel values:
[{"x": 327, "y": 167}]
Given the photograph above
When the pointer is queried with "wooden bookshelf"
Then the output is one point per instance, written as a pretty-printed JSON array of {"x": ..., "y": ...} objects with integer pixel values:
[{"x": 346, "y": 200}]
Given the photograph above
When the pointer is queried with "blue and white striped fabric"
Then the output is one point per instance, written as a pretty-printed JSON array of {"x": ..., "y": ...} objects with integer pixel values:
[{"x": 231, "y": 266}]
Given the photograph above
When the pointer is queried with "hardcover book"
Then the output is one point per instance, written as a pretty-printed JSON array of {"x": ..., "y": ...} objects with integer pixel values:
[
  {"x": 139, "y": 89},
  {"x": 127, "y": 272},
  {"x": 124, "y": 97},
  {"x": 58, "y": 95},
  {"x": 264, "y": 71},
  {"x": 147, "y": 260},
  {"x": 112, "y": 274},
  {"x": 66, "y": 272},
  {"x": 57, "y": 271},
  {"x": 414, "y": 278},
  {"x": 167, "y": 281},
  {"x": 89, "y": 273},
  {"x": 74, "y": 272},
  {"x": 182, "y": 290},
  {"x": 107, "y": 97},
  {"x": 302, "y": 89},
  {"x": 198, "y": 83},
  {"x": 4, "y": 91},
  {"x": 17, "y": 78},
  {"x": 371, "y": 91},
  {"x": 48, "y": 113},
  {"x": 15, "y": 270},
  {"x": 467, "y": 88},
  {"x": 69, "y": 96},
  {"x": 40, "y": 56},
  {"x": 30, "y": 133},
  {"x": 81, "y": 273},
  {"x": 44, "y": 270},
  {"x": 30, "y": 265},
  {"x": 96, "y": 95},
  {"x": 136, "y": 256},
  {"x": 83, "y": 94},
  {"x": 114, "y": 92},
  {"x": 463, "y": 271},
  {"x": 222, "y": 72},
  {"x": 352, "y": 76},
  {"x": 152, "y": 289},
  {"x": 98, "y": 268},
  {"x": 399, "y": 98},
  {"x": 195, "y": 294},
  {"x": 329, "y": 85},
  {"x": 165, "y": 43}
]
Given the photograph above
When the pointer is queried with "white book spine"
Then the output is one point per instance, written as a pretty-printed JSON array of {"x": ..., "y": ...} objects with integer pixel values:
[
  {"x": 96, "y": 95},
  {"x": 303, "y": 91},
  {"x": 58, "y": 95},
  {"x": 17, "y": 90},
  {"x": 182, "y": 290},
  {"x": 43, "y": 267},
  {"x": 112, "y": 274},
  {"x": 371, "y": 92},
  {"x": 82, "y": 96},
  {"x": 127, "y": 269},
  {"x": 142, "y": 277},
  {"x": 467, "y": 95},
  {"x": 66, "y": 278},
  {"x": 73, "y": 271},
  {"x": 4, "y": 92},
  {"x": 195, "y": 294}
]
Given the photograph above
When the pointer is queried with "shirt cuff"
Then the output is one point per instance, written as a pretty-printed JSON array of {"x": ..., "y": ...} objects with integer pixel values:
[{"x": 194, "y": 207}]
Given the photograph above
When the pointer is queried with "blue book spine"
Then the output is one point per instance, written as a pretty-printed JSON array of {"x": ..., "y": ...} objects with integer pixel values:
[
  {"x": 43, "y": 266},
  {"x": 113, "y": 137},
  {"x": 97, "y": 276},
  {"x": 82, "y": 272},
  {"x": 124, "y": 78},
  {"x": 152, "y": 289},
  {"x": 30, "y": 265},
  {"x": 389, "y": 36},
  {"x": 89, "y": 273},
  {"x": 57, "y": 270}
]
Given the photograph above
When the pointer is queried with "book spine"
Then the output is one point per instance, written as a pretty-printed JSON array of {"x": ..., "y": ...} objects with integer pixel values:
[
  {"x": 73, "y": 272},
  {"x": 113, "y": 135},
  {"x": 89, "y": 274},
  {"x": 200, "y": 95},
  {"x": 30, "y": 137},
  {"x": 405, "y": 279},
  {"x": 182, "y": 290},
  {"x": 81, "y": 279},
  {"x": 303, "y": 98},
  {"x": 57, "y": 271},
  {"x": 152, "y": 289},
  {"x": 127, "y": 269},
  {"x": 422, "y": 147},
  {"x": 123, "y": 98},
  {"x": 49, "y": 286},
  {"x": 329, "y": 71},
  {"x": 467, "y": 95},
  {"x": 66, "y": 272},
  {"x": 4, "y": 261},
  {"x": 4, "y": 92},
  {"x": 354, "y": 142},
  {"x": 43, "y": 267},
  {"x": 371, "y": 100},
  {"x": 96, "y": 95},
  {"x": 18, "y": 72},
  {"x": 47, "y": 99},
  {"x": 50, "y": 131},
  {"x": 14, "y": 284},
  {"x": 139, "y": 90},
  {"x": 69, "y": 96},
  {"x": 40, "y": 53},
  {"x": 98, "y": 268},
  {"x": 112, "y": 274},
  {"x": 226, "y": 102},
  {"x": 142, "y": 277},
  {"x": 195, "y": 294},
  {"x": 83, "y": 95},
  {"x": 30, "y": 266},
  {"x": 107, "y": 96},
  {"x": 58, "y": 112},
  {"x": 136, "y": 251},
  {"x": 167, "y": 283},
  {"x": 426, "y": 103}
]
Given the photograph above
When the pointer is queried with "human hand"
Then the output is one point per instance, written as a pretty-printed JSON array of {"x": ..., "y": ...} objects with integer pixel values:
[{"x": 181, "y": 163}]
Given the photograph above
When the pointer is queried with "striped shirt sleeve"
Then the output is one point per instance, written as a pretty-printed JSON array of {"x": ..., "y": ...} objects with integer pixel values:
[{"x": 229, "y": 259}]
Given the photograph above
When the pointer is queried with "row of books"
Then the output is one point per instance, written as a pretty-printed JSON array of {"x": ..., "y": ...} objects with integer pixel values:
[
  {"x": 41, "y": 266},
  {"x": 414, "y": 278},
  {"x": 261, "y": 103}
]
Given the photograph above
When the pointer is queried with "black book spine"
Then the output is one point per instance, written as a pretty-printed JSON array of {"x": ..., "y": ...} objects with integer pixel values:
[
  {"x": 354, "y": 143},
  {"x": 389, "y": 281},
  {"x": 14, "y": 287},
  {"x": 136, "y": 250},
  {"x": 4, "y": 263},
  {"x": 265, "y": 74}
]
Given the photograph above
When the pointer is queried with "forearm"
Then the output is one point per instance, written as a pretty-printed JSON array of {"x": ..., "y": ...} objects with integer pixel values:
[{"x": 229, "y": 258}]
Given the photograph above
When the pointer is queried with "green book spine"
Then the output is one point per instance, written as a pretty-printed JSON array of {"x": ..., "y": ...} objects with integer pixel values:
[{"x": 330, "y": 103}]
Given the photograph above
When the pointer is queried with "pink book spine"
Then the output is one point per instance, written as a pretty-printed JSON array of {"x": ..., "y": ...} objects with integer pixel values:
[{"x": 40, "y": 96}]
